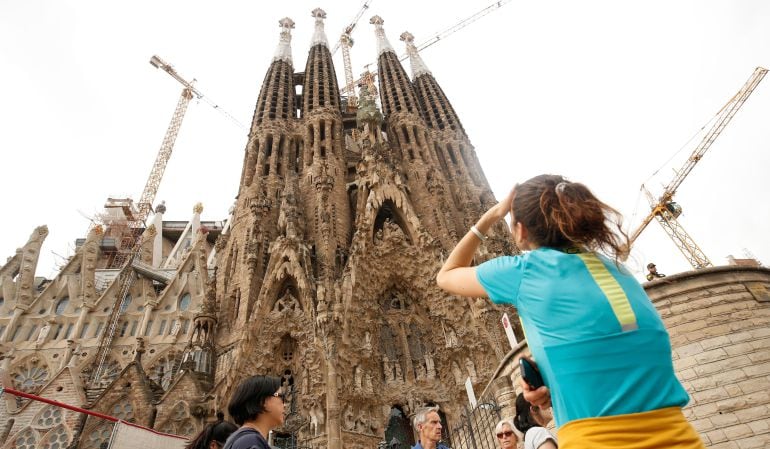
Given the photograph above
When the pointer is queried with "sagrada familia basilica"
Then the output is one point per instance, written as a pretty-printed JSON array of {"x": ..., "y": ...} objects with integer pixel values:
[{"x": 324, "y": 275}]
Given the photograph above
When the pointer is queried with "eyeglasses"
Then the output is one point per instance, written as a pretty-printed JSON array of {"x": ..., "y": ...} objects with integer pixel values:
[
  {"x": 280, "y": 395},
  {"x": 502, "y": 435}
]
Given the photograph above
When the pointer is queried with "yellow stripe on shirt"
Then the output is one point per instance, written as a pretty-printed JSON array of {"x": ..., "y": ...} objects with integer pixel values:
[{"x": 612, "y": 290}]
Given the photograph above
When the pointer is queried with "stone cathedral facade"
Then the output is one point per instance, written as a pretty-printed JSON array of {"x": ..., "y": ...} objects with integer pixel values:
[{"x": 323, "y": 275}]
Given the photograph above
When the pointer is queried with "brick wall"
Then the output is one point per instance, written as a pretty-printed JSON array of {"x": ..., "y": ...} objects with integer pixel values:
[{"x": 719, "y": 322}]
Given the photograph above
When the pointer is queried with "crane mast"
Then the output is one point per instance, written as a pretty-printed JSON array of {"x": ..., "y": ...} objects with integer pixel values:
[
  {"x": 161, "y": 160},
  {"x": 346, "y": 43},
  {"x": 664, "y": 209}
]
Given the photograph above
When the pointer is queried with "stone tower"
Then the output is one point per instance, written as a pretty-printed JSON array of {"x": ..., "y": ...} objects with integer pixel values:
[{"x": 327, "y": 274}]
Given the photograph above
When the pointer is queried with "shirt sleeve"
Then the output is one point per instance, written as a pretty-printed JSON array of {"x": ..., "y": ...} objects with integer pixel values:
[
  {"x": 501, "y": 278},
  {"x": 536, "y": 436}
]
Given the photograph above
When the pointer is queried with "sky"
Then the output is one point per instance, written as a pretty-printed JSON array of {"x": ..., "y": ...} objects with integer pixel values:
[{"x": 607, "y": 93}]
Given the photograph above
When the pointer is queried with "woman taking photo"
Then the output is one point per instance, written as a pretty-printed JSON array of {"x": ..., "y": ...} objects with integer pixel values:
[
  {"x": 257, "y": 406},
  {"x": 599, "y": 343}
]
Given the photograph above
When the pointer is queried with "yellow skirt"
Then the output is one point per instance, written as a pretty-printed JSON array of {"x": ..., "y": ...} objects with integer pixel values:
[{"x": 665, "y": 428}]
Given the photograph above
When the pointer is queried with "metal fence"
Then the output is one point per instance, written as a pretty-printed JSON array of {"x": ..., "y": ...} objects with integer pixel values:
[{"x": 475, "y": 427}]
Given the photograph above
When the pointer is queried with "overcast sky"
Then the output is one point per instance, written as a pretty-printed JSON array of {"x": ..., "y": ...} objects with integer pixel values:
[{"x": 604, "y": 92}]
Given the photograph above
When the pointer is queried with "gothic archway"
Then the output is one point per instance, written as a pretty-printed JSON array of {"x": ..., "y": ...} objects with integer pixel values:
[
  {"x": 398, "y": 433},
  {"x": 390, "y": 217}
]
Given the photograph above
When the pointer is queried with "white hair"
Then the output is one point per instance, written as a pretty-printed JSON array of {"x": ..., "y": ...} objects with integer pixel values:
[
  {"x": 422, "y": 415},
  {"x": 505, "y": 422}
]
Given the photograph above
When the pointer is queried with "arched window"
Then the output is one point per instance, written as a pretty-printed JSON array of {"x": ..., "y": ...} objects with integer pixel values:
[
  {"x": 126, "y": 303},
  {"x": 287, "y": 348},
  {"x": 389, "y": 216},
  {"x": 124, "y": 411},
  {"x": 56, "y": 438},
  {"x": 184, "y": 302},
  {"x": 48, "y": 417},
  {"x": 30, "y": 375},
  {"x": 26, "y": 440},
  {"x": 61, "y": 306},
  {"x": 165, "y": 367},
  {"x": 98, "y": 436}
]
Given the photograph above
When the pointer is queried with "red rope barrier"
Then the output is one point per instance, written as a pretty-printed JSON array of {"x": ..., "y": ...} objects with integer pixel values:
[{"x": 80, "y": 410}]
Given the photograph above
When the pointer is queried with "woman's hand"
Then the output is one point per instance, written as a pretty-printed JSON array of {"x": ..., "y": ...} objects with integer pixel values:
[
  {"x": 457, "y": 276},
  {"x": 501, "y": 209},
  {"x": 540, "y": 397}
]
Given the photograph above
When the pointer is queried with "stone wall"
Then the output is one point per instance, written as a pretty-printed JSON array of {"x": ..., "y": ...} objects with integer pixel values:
[{"x": 719, "y": 322}]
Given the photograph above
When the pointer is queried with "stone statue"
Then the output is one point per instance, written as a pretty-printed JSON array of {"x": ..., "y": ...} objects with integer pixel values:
[
  {"x": 43, "y": 334},
  {"x": 175, "y": 328},
  {"x": 430, "y": 367},
  {"x": 451, "y": 338},
  {"x": 458, "y": 375},
  {"x": 471, "y": 369},
  {"x": 367, "y": 342},
  {"x": 316, "y": 419},
  {"x": 368, "y": 388},
  {"x": 358, "y": 379},
  {"x": 286, "y": 302},
  {"x": 348, "y": 418}
]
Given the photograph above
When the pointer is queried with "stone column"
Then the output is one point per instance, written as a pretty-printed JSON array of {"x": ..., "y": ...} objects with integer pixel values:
[
  {"x": 81, "y": 320},
  {"x": 17, "y": 312},
  {"x": 148, "y": 308}
]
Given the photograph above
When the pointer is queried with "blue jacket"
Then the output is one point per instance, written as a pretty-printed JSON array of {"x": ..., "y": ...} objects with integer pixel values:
[{"x": 439, "y": 446}]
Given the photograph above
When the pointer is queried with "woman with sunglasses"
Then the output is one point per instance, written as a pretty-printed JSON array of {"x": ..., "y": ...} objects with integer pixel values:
[
  {"x": 531, "y": 422},
  {"x": 505, "y": 434},
  {"x": 214, "y": 435},
  {"x": 257, "y": 406}
]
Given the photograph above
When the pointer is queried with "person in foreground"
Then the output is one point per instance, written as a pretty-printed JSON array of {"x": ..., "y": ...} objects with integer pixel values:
[
  {"x": 428, "y": 425},
  {"x": 600, "y": 345},
  {"x": 531, "y": 422},
  {"x": 505, "y": 434},
  {"x": 213, "y": 435},
  {"x": 257, "y": 406}
]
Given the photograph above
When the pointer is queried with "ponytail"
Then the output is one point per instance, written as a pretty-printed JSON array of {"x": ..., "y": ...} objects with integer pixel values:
[
  {"x": 217, "y": 431},
  {"x": 558, "y": 213},
  {"x": 523, "y": 420}
]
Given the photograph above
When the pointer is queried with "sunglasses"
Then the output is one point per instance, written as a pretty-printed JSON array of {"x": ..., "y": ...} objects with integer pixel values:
[
  {"x": 280, "y": 395},
  {"x": 502, "y": 435}
]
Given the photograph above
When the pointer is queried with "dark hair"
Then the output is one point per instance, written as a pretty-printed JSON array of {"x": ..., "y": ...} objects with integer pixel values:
[
  {"x": 248, "y": 401},
  {"x": 558, "y": 214},
  {"x": 216, "y": 431},
  {"x": 523, "y": 419}
]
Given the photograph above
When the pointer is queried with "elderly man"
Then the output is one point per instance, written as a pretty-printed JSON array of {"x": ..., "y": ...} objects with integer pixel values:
[{"x": 428, "y": 426}]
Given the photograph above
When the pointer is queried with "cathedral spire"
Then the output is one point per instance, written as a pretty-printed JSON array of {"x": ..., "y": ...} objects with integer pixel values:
[
  {"x": 383, "y": 44},
  {"x": 283, "y": 52},
  {"x": 418, "y": 66},
  {"x": 320, "y": 89},
  {"x": 396, "y": 90},
  {"x": 319, "y": 35}
]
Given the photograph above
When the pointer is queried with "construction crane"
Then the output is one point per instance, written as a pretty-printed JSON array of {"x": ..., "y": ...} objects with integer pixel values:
[
  {"x": 156, "y": 174},
  {"x": 369, "y": 77},
  {"x": 129, "y": 247},
  {"x": 664, "y": 209},
  {"x": 346, "y": 42}
]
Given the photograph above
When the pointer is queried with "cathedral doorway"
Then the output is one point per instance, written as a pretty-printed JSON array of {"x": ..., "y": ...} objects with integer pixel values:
[{"x": 398, "y": 433}]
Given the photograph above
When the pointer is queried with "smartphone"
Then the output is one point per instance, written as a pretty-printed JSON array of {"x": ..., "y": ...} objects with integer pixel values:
[{"x": 530, "y": 374}]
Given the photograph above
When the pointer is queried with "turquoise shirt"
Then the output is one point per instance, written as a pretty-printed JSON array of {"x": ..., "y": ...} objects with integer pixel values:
[{"x": 598, "y": 341}]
